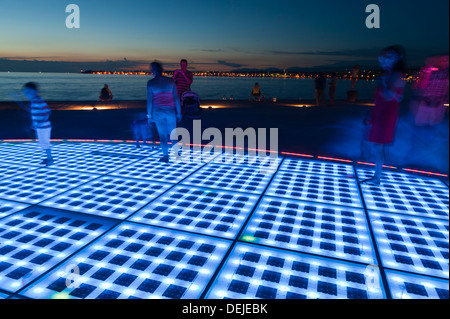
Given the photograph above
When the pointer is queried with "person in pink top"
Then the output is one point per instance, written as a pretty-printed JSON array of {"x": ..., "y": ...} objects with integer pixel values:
[{"x": 163, "y": 106}]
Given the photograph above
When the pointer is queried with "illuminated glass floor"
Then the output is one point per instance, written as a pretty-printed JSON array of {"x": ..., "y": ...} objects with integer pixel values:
[{"x": 110, "y": 221}]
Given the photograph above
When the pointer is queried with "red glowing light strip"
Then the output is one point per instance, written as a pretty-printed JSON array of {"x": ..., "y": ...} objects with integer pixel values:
[
  {"x": 372, "y": 164},
  {"x": 424, "y": 172},
  {"x": 297, "y": 154},
  {"x": 334, "y": 159}
]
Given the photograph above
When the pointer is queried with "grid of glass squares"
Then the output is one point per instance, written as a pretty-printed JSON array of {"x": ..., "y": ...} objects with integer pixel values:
[
  {"x": 410, "y": 286},
  {"x": 317, "y": 167},
  {"x": 326, "y": 230},
  {"x": 36, "y": 186},
  {"x": 313, "y": 217},
  {"x": 402, "y": 178},
  {"x": 137, "y": 262},
  {"x": 318, "y": 188},
  {"x": 9, "y": 170},
  {"x": 205, "y": 211},
  {"x": 413, "y": 244},
  {"x": 407, "y": 199},
  {"x": 8, "y": 208},
  {"x": 234, "y": 178},
  {"x": 109, "y": 197},
  {"x": 264, "y": 273},
  {"x": 35, "y": 240},
  {"x": 34, "y": 156},
  {"x": 151, "y": 168},
  {"x": 97, "y": 162},
  {"x": 264, "y": 162}
]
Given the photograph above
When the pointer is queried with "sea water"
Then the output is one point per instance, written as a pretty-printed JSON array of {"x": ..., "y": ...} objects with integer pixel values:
[{"x": 86, "y": 87}]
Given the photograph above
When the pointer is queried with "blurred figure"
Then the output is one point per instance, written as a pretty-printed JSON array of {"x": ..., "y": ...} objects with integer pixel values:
[
  {"x": 106, "y": 94},
  {"x": 332, "y": 88},
  {"x": 163, "y": 106},
  {"x": 40, "y": 115},
  {"x": 256, "y": 92},
  {"x": 183, "y": 79},
  {"x": 431, "y": 92},
  {"x": 355, "y": 72},
  {"x": 143, "y": 131},
  {"x": 382, "y": 121},
  {"x": 319, "y": 85}
]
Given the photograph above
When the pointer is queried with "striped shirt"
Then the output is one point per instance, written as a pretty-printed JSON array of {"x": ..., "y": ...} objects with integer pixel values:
[
  {"x": 181, "y": 83},
  {"x": 40, "y": 113}
]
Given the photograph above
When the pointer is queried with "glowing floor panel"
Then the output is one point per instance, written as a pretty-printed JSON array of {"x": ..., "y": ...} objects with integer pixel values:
[
  {"x": 410, "y": 286},
  {"x": 198, "y": 210},
  {"x": 234, "y": 178},
  {"x": 97, "y": 162},
  {"x": 109, "y": 197},
  {"x": 35, "y": 240},
  {"x": 325, "y": 230},
  {"x": 407, "y": 199},
  {"x": 152, "y": 169},
  {"x": 262, "y": 273},
  {"x": 108, "y": 220},
  {"x": 9, "y": 170},
  {"x": 412, "y": 244},
  {"x": 317, "y": 188},
  {"x": 8, "y": 208},
  {"x": 36, "y": 186},
  {"x": 317, "y": 167},
  {"x": 402, "y": 178},
  {"x": 131, "y": 149},
  {"x": 263, "y": 162},
  {"x": 137, "y": 262}
]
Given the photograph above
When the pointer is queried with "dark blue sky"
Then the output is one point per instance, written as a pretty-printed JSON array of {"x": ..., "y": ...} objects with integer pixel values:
[{"x": 215, "y": 35}]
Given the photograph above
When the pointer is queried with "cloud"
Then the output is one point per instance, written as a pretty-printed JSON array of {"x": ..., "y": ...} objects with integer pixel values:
[
  {"x": 230, "y": 64},
  {"x": 348, "y": 53}
]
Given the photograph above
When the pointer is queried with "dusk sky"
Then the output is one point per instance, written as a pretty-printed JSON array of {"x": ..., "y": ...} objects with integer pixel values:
[{"x": 215, "y": 35}]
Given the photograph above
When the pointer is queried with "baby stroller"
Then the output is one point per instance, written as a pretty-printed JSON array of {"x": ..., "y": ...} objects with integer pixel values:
[{"x": 190, "y": 104}]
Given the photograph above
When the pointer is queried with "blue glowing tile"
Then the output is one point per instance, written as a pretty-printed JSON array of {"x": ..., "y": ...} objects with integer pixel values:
[
  {"x": 407, "y": 199},
  {"x": 97, "y": 162},
  {"x": 402, "y": 178},
  {"x": 410, "y": 286},
  {"x": 317, "y": 188},
  {"x": 317, "y": 167},
  {"x": 9, "y": 170},
  {"x": 152, "y": 169},
  {"x": 84, "y": 147},
  {"x": 142, "y": 275},
  {"x": 262, "y": 161},
  {"x": 256, "y": 272},
  {"x": 8, "y": 208},
  {"x": 413, "y": 244},
  {"x": 36, "y": 186},
  {"x": 233, "y": 177},
  {"x": 131, "y": 149},
  {"x": 109, "y": 196},
  {"x": 310, "y": 228},
  {"x": 195, "y": 154},
  {"x": 3, "y": 296},
  {"x": 32, "y": 243},
  {"x": 193, "y": 209},
  {"x": 34, "y": 156}
]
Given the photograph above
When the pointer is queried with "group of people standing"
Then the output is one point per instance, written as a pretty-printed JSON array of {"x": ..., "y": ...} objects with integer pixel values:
[{"x": 164, "y": 99}]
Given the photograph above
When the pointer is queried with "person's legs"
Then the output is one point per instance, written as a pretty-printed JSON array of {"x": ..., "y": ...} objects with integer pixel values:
[
  {"x": 43, "y": 136},
  {"x": 379, "y": 157},
  {"x": 166, "y": 122}
]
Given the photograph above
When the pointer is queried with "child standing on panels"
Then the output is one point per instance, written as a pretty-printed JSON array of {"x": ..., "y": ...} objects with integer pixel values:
[{"x": 40, "y": 115}]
